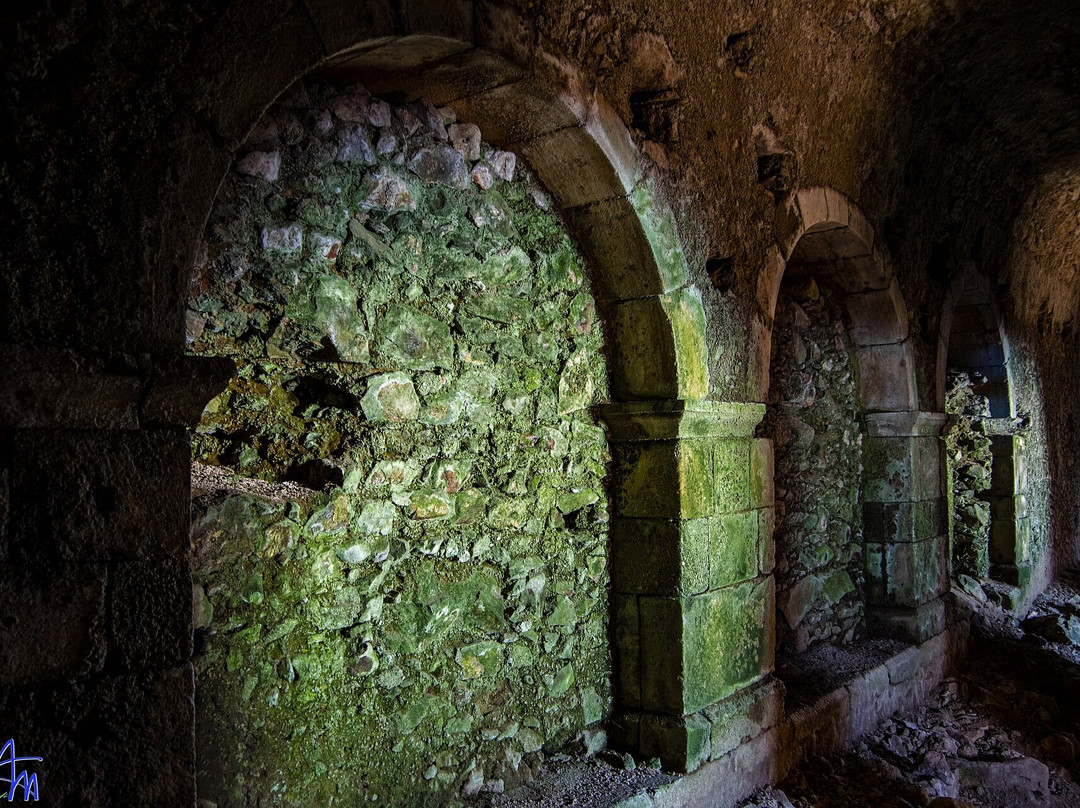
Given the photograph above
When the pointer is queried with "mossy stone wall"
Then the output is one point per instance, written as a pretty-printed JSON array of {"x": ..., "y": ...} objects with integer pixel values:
[
  {"x": 817, "y": 440},
  {"x": 401, "y": 592}
]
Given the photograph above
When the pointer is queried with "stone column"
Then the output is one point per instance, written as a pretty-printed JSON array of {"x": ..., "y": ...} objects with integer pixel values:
[
  {"x": 904, "y": 524},
  {"x": 1010, "y": 534},
  {"x": 691, "y": 562},
  {"x": 95, "y": 585}
]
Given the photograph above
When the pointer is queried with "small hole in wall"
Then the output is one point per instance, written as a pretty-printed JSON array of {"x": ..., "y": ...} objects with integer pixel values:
[
  {"x": 721, "y": 272},
  {"x": 655, "y": 112}
]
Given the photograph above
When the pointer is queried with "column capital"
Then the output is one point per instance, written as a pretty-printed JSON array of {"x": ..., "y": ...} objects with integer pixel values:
[
  {"x": 677, "y": 418},
  {"x": 904, "y": 423}
]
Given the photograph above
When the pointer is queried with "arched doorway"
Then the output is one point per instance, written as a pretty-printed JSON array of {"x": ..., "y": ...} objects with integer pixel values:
[
  {"x": 989, "y": 525},
  {"x": 860, "y": 534},
  {"x": 653, "y": 317}
]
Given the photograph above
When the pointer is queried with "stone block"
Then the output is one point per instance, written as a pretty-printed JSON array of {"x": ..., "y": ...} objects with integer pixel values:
[
  {"x": 744, "y": 715},
  {"x": 626, "y": 642},
  {"x": 903, "y": 666},
  {"x": 887, "y": 472},
  {"x": 180, "y": 388},
  {"x": 665, "y": 479},
  {"x": 572, "y": 166},
  {"x": 1003, "y": 473},
  {"x": 733, "y": 552},
  {"x": 666, "y": 419},
  {"x": 907, "y": 521},
  {"x": 54, "y": 623},
  {"x": 643, "y": 361},
  {"x": 394, "y": 53},
  {"x": 1003, "y": 533},
  {"x": 660, "y": 556},
  {"x": 813, "y": 206},
  {"x": 90, "y": 496},
  {"x": 909, "y": 624},
  {"x": 172, "y": 226},
  {"x": 819, "y": 729},
  {"x": 877, "y": 317},
  {"x": 620, "y": 256},
  {"x": 700, "y": 649},
  {"x": 515, "y": 113},
  {"x": 682, "y": 743},
  {"x": 90, "y": 732},
  {"x": 685, "y": 312},
  {"x": 150, "y": 614},
  {"x": 766, "y": 542},
  {"x": 906, "y": 574},
  {"x": 885, "y": 377},
  {"x": 928, "y": 468},
  {"x": 731, "y": 475},
  {"x": 870, "y": 699},
  {"x": 762, "y": 487}
]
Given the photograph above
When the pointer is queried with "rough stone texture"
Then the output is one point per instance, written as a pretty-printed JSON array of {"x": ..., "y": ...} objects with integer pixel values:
[{"x": 953, "y": 128}]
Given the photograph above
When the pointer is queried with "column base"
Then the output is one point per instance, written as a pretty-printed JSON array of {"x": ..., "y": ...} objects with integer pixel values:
[{"x": 685, "y": 743}]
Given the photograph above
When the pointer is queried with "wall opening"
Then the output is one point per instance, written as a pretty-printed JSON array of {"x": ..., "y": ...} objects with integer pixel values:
[
  {"x": 988, "y": 521},
  {"x": 812, "y": 419},
  {"x": 844, "y": 487},
  {"x": 399, "y": 540}
]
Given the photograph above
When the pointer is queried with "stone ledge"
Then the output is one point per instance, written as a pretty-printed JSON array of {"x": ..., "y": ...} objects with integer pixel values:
[{"x": 833, "y": 724}]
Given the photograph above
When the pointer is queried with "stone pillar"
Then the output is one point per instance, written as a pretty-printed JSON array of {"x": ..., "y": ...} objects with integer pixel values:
[
  {"x": 905, "y": 524},
  {"x": 95, "y": 585},
  {"x": 691, "y": 563},
  {"x": 1010, "y": 536}
]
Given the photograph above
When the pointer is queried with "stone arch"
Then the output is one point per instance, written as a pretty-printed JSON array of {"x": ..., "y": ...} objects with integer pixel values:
[
  {"x": 821, "y": 232},
  {"x": 583, "y": 154},
  {"x": 575, "y": 143},
  {"x": 972, "y": 341},
  {"x": 830, "y": 237}
]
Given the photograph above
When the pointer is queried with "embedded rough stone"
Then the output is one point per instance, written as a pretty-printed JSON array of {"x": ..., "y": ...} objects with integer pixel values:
[
  {"x": 412, "y": 339},
  {"x": 264, "y": 165},
  {"x": 465, "y": 138},
  {"x": 391, "y": 397},
  {"x": 442, "y": 165},
  {"x": 387, "y": 191},
  {"x": 356, "y": 146},
  {"x": 286, "y": 239},
  {"x": 482, "y": 176},
  {"x": 376, "y": 516},
  {"x": 503, "y": 163}
]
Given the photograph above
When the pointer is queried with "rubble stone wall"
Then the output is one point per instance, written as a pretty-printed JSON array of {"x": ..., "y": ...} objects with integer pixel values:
[
  {"x": 415, "y": 340},
  {"x": 817, "y": 439}
]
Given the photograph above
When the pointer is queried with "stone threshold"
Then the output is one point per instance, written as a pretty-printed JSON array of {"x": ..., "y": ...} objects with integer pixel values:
[{"x": 828, "y": 726}]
